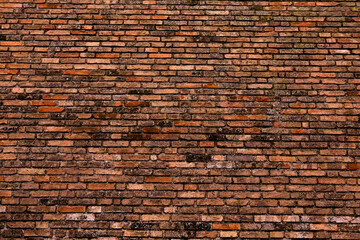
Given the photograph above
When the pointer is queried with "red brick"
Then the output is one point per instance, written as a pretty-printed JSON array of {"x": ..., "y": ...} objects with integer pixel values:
[
  {"x": 51, "y": 109},
  {"x": 151, "y": 130},
  {"x": 136, "y": 104},
  {"x": 179, "y": 119},
  {"x": 71, "y": 209},
  {"x": 83, "y": 32},
  {"x": 50, "y": 6},
  {"x": 43, "y": 103},
  {"x": 5, "y": 71},
  {"x": 76, "y": 72},
  {"x": 353, "y": 166}
]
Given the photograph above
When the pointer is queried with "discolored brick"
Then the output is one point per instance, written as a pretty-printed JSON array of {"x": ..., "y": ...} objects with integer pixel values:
[{"x": 181, "y": 119}]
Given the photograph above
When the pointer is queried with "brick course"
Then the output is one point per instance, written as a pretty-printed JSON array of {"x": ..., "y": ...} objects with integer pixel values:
[{"x": 179, "y": 119}]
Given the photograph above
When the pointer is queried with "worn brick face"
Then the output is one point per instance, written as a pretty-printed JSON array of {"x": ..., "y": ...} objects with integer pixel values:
[{"x": 179, "y": 119}]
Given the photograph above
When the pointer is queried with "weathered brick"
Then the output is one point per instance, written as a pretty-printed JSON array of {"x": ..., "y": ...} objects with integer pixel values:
[
  {"x": 226, "y": 226},
  {"x": 71, "y": 209},
  {"x": 180, "y": 119},
  {"x": 158, "y": 179}
]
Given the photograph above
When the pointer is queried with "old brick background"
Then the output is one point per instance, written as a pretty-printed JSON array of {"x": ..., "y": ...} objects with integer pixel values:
[{"x": 179, "y": 119}]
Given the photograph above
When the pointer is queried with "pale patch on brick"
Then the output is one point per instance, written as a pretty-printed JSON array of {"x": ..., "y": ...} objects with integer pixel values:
[{"x": 81, "y": 217}]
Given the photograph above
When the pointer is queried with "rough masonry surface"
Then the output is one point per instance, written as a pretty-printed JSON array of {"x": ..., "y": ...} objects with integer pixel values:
[{"x": 179, "y": 119}]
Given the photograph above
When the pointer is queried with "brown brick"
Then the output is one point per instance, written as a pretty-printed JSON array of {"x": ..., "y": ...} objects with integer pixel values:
[
  {"x": 226, "y": 226},
  {"x": 49, "y": 6},
  {"x": 159, "y": 55},
  {"x": 18, "y": 65},
  {"x": 68, "y": 54},
  {"x": 76, "y": 72},
  {"x": 101, "y": 186},
  {"x": 179, "y": 119},
  {"x": 87, "y": 129},
  {"x": 136, "y": 104},
  {"x": 108, "y": 55},
  {"x": 5, "y": 193},
  {"x": 158, "y": 179}
]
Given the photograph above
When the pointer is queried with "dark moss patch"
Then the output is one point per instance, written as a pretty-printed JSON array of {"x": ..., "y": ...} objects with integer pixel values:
[
  {"x": 216, "y": 137},
  {"x": 197, "y": 226},
  {"x": 8, "y": 129},
  {"x": 256, "y": 8},
  {"x": 197, "y": 157},
  {"x": 141, "y": 226},
  {"x": 135, "y": 136},
  {"x": 63, "y": 116},
  {"x": 100, "y": 136},
  {"x": 266, "y": 137},
  {"x": 266, "y": 18},
  {"x": 192, "y": 2},
  {"x": 23, "y": 96},
  {"x": 228, "y": 130},
  {"x": 164, "y": 123},
  {"x": 52, "y": 201},
  {"x": 139, "y": 91},
  {"x": 126, "y": 110}
]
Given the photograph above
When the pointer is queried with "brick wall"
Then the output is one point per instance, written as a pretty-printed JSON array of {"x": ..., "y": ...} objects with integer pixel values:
[{"x": 179, "y": 119}]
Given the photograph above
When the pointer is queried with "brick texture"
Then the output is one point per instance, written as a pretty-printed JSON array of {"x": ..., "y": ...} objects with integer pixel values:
[{"x": 179, "y": 119}]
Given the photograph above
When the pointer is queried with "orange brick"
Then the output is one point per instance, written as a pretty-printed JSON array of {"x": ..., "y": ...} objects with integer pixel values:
[
  {"x": 108, "y": 55},
  {"x": 51, "y": 109},
  {"x": 49, "y": 6},
  {"x": 68, "y": 54},
  {"x": 83, "y": 32},
  {"x": 151, "y": 130},
  {"x": 353, "y": 166},
  {"x": 5, "y": 71},
  {"x": 76, "y": 72},
  {"x": 160, "y": 55},
  {"x": 101, "y": 186},
  {"x": 55, "y": 97},
  {"x": 282, "y": 158},
  {"x": 158, "y": 179},
  {"x": 226, "y": 226},
  {"x": 18, "y": 65},
  {"x": 155, "y": 217},
  {"x": 43, "y": 103},
  {"x": 12, "y": 43},
  {"x": 71, "y": 209},
  {"x": 5, "y": 193},
  {"x": 136, "y": 104}
]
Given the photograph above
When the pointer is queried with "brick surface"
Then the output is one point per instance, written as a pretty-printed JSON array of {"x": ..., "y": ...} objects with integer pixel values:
[{"x": 179, "y": 119}]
